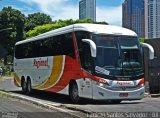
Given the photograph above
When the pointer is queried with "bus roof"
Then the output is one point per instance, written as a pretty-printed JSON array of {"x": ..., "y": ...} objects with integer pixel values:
[{"x": 94, "y": 28}]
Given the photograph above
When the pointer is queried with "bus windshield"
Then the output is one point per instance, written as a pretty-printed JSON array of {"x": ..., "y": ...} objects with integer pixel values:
[{"x": 118, "y": 56}]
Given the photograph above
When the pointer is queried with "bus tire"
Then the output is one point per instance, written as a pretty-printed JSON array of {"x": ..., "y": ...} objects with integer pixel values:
[
  {"x": 73, "y": 92},
  {"x": 28, "y": 87},
  {"x": 23, "y": 85}
]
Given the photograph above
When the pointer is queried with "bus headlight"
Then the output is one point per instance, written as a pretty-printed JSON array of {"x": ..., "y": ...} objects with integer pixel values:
[
  {"x": 142, "y": 85},
  {"x": 101, "y": 84},
  {"x": 141, "y": 82}
]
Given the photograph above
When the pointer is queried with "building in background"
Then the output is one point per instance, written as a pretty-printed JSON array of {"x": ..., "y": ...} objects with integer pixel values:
[
  {"x": 87, "y": 9},
  {"x": 133, "y": 16},
  {"x": 152, "y": 19},
  {"x": 146, "y": 18}
]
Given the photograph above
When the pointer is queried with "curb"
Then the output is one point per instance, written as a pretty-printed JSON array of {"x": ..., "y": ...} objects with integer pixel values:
[
  {"x": 155, "y": 95},
  {"x": 147, "y": 95},
  {"x": 61, "y": 108},
  {"x": 151, "y": 95}
]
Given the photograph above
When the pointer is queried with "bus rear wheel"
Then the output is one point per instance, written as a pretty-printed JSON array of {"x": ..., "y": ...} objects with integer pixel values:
[
  {"x": 28, "y": 87},
  {"x": 74, "y": 93},
  {"x": 23, "y": 85}
]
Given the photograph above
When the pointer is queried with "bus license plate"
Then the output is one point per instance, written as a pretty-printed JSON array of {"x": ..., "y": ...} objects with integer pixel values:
[{"x": 123, "y": 95}]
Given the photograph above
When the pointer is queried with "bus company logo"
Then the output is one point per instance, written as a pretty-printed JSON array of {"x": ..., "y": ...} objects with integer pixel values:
[
  {"x": 123, "y": 88},
  {"x": 40, "y": 63},
  {"x": 123, "y": 83}
]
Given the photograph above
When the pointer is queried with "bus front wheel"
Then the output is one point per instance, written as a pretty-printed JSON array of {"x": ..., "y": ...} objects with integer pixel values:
[{"x": 73, "y": 92}]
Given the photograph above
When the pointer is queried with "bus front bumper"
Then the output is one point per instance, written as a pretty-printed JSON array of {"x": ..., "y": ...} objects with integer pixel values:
[{"x": 100, "y": 93}]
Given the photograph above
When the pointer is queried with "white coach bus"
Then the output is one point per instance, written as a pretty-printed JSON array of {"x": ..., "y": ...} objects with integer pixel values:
[{"x": 93, "y": 61}]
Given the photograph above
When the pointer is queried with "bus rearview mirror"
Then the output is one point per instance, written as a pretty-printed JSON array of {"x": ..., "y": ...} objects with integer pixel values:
[
  {"x": 151, "y": 50},
  {"x": 92, "y": 46}
]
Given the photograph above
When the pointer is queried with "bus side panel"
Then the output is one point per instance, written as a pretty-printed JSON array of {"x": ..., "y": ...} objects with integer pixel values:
[
  {"x": 71, "y": 71},
  {"x": 17, "y": 80},
  {"x": 37, "y": 69},
  {"x": 85, "y": 87},
  {"x": 54, "y": 75}
]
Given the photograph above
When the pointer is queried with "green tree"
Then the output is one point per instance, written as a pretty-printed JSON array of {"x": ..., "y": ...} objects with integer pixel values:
[
  {"x": 57, "y": 24},
  {"x": 11, "y": 18},
  {"x": 35, "y": 19},
  {"x": 141, "y": 40},
  {"x": 42, "y": 29}
]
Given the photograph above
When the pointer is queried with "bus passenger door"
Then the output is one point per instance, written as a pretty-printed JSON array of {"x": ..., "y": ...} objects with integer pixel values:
[
  {"x": 87, "y": 65},
  {"x": 86, "y": 88}
]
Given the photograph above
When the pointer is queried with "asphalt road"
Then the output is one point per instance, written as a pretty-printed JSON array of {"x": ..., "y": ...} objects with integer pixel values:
[
  {"x": 144, "y": 105},
  {"x": 14, "y": 108},
  {"x": 151, "y": 105},
  {"x": 10, "y": 108}
]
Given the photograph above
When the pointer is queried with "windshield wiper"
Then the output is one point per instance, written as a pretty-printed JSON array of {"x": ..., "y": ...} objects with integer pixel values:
[
  {"x": 132, "y": 69},
  {"x": 121, "y": 58},
  {"x": 128, "y": 61},
  {"x": 124, "y": 67}
]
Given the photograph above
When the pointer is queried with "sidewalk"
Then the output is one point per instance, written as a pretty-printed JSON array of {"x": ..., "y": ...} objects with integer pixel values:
[
  {"x": 155, "y": 95},
  {"x": 151, "y": 95},
  {"x": 6, "y": 77}
]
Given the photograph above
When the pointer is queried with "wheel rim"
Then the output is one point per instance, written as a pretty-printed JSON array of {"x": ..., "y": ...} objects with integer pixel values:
[
  {"x": 23, "y": 86},
  {"x": 29, "y": 86},
  {"x": 75, "y": 92}
]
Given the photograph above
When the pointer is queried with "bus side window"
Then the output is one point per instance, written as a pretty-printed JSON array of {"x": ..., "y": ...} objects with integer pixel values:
[
  {"x": 19, "y": 49},
  {"x": 69, "y": 45}
]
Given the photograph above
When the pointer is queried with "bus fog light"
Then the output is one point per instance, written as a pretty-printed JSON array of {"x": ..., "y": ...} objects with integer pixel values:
[{"x": 142, "y": 85}]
